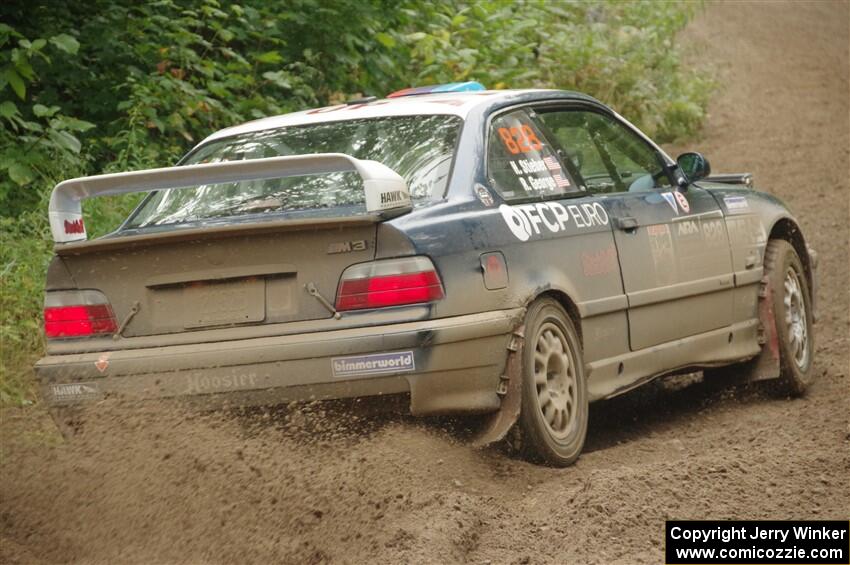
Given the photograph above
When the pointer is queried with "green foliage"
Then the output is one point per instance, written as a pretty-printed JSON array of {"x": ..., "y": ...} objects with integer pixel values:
[
  {"x": 623, "y": 53},
  {"x": 37, "y": 142},
  {"x": 24, "y": 247},
  {"x": 103, "y": 86}
]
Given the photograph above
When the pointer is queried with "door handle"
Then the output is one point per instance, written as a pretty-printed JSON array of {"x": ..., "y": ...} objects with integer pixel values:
[{"x": 627, "y": 223}]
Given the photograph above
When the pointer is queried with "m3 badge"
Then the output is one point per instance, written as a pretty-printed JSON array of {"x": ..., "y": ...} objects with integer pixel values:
[{"x": 347, "y": 246}]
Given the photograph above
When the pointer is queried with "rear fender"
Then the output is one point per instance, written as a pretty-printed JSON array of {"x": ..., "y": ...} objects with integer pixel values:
[{"x": 58, "y": 275}]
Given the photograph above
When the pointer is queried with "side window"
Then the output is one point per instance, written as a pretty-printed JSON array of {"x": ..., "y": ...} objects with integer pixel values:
[
  {"x": 608, "y": 156},
  {"x": 521, "y": 163}
]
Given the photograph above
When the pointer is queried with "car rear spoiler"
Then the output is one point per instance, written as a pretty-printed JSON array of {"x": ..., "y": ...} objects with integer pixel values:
[
  {"x": 385, "y": 189},
  {"x": 732, "y": 178}
]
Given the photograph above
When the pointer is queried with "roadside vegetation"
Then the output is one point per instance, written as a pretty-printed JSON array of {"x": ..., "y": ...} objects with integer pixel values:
[{"x": 103, "y": 86}]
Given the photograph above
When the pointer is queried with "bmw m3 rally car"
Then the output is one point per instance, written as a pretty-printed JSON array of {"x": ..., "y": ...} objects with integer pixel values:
[{"x": 513, "y": 253}]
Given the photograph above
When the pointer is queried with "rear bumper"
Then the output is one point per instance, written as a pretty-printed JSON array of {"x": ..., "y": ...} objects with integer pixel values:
[{"x": 447, "y": 365}]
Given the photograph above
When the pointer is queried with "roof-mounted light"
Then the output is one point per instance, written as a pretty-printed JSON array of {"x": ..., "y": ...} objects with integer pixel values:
[{"x": 470, "y": 86}]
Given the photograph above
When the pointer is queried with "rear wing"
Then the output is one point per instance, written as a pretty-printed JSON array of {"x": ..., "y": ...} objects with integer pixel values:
[{"x": 385, "y": 189}]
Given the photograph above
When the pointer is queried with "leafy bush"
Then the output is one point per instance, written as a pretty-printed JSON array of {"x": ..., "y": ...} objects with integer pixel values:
[
  {"x": 622, "y": 53},
  {"x": 103, "y": 86}
]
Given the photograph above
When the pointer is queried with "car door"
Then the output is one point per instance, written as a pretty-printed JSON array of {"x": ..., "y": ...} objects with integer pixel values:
[
  {"x": 672, "y": 244},
  {"x": 561, "y": 234}
]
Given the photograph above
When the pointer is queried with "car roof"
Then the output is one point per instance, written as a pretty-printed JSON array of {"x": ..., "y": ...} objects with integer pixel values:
[{"x": 446, "y": 103}]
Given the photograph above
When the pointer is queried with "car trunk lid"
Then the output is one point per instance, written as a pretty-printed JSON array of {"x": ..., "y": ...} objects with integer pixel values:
[{"x": 222, "y": 276}]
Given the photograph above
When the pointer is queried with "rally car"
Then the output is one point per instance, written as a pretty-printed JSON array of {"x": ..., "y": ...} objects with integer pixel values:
[{"x": 513, "y": 253}]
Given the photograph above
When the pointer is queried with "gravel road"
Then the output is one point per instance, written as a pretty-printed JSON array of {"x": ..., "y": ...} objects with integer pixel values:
[{"x": 166, "y": 487}]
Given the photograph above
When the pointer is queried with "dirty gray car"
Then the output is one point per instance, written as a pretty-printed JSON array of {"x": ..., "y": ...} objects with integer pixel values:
[{"x": 516, "y": 254}]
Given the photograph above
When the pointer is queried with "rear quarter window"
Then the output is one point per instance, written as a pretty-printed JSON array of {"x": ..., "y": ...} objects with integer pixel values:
[{"x": 521, "y": 162}]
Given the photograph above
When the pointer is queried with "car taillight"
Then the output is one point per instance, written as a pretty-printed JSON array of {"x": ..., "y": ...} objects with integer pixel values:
[
  {"x": 392, "y": 282},
  {"x": 77, "y": 313}
]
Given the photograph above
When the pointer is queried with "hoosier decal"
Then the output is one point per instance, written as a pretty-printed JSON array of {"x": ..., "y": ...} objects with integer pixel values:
[
  {"x": 359, "y": 365},
  {"x": 200, "y": 383}
]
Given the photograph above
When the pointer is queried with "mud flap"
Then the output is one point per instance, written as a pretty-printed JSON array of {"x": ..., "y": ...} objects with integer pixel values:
[
  {"x": 497, "y": 425},
  {"x": 766, "y": 365},
  {"x": 813, "y": 283}
]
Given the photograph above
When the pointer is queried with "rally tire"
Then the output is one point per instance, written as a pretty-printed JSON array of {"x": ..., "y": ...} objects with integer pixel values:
[
  {"x": 793, "y": 315},
  {"x": 553, "y": 417}
]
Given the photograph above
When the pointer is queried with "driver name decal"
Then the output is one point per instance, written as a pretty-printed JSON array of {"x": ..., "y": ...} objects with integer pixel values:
[
  {"x": 532, "y": 219},
  {"x": 526, "y": 156}
]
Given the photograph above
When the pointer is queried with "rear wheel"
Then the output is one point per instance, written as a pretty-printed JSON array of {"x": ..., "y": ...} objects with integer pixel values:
[
  {"x": 553, "y": 419},
  {"x": 793, "y": 314}
]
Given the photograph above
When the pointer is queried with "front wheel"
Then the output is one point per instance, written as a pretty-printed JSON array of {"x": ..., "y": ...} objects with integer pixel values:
[
  {"x": 793, "y": 314},
  {"x": 553, "y": 418}
]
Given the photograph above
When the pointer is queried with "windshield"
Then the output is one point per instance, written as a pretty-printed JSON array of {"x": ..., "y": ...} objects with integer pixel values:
[{"x": 419, "y": 148}]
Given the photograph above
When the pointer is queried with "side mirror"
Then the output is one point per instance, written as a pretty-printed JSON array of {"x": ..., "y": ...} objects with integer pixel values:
[{"x": 694, "y": 166}]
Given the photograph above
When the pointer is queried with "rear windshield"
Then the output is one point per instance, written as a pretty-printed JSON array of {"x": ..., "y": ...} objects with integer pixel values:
[{"x": 419, "y": 148}]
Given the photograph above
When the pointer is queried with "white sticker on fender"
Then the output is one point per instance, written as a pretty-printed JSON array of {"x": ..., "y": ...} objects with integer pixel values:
[{"x": 736, "y": 203}]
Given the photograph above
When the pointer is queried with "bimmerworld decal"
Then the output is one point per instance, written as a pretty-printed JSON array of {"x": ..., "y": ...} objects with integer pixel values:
[{"x": 357, "y": 365}]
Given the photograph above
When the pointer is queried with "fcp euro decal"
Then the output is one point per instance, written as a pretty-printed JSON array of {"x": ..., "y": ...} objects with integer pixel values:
[{"x": 528, "y": 219}]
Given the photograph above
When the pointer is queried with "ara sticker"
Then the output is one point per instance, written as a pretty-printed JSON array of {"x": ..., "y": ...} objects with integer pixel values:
[
  {"x": 688, "y": 228},
  {"x": 525, "y": 220},
  {"x": 683, "y": 202},
  {"x": 359, "y": 365},
  {"x": 484, "y": 195},
  {"x": 668, "y": 196},
  {"x": 736, "y": 203}
]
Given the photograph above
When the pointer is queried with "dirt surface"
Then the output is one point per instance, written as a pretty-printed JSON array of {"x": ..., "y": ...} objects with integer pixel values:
[{"x": 168, "y": 486}]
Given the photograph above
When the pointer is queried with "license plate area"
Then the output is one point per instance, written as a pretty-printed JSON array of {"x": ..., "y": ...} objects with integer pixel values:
[{"x": 224, "y": 303}]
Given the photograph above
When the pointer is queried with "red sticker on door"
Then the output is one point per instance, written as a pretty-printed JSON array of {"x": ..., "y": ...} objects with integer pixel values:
[{"x": 683, "y": 202}]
